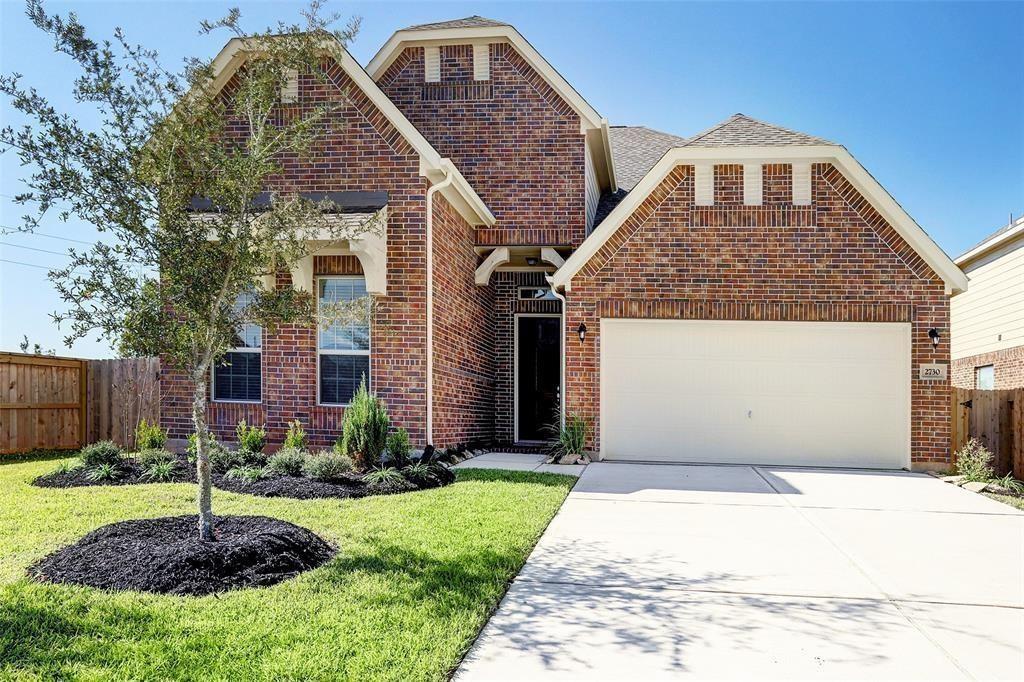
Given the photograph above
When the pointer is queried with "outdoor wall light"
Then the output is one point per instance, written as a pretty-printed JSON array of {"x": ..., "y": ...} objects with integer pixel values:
[
  {"x": 531, "y": 261},
  {"x": 933, "y": 334},
  {"x": 582, "y": 331}
]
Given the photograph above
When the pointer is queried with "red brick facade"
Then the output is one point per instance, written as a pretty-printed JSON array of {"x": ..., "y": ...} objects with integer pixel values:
[
  {"x": 1007, "y": 364},
  {"x": 836, "y": 260},
  {"x": 515, "y": 139}
]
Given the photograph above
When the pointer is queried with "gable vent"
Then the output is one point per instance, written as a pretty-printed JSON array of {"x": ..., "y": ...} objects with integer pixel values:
[
  {"x": 704, "y": 184},
  {"x": 481, "y": 62},
  {"x": 290, "y": 87},
  {"x": 432, "y": 64},
  {"x": 752, "y": 184},
  {"x": 801, "y": 183}
]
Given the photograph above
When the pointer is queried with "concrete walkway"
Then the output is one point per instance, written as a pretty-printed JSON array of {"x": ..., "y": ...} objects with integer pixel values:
[
  {"x": 689, "y": 571},
  {"x": 514, "y": 461}
]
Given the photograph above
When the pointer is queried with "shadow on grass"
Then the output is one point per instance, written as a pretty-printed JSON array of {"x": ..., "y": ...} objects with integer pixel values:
[
  {"x": 507, "y": 476},
  {"x": 35, "y": 456}
]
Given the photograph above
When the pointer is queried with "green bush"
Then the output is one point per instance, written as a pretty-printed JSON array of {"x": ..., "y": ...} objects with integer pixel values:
[
  {"x": 287, "y": 462},
  {"x": 571, "y": 439},
  {"x": 149, "y": 436},
  {"x": 154, "y": 456},
  {"x": 250, "y": 438},
  {"x": 67, "y": 466},
  {"x": 365, "y": 429},
  {"x": 248, "y": 474},
  {"x": 384, "y": 476},
  {"x": 398, "y": 447},
  {"x": 1010, "y": 483},
  {"x": 102, "y": 452},
  {"x": 223, "y": 460},
  {"x": 974, "y": 462},
  {"x": 327, "y": 466},
  {"x": 296, "y": 436},
  {"x": 104, "y": 471},
  {"x": 160, "y": 471}
]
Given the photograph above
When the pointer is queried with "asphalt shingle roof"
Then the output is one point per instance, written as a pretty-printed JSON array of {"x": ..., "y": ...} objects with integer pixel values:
[
  {"x": 636, "y": 149},
  {"x": 474, "y": 21},
  {"x": 740, "y": 130}
]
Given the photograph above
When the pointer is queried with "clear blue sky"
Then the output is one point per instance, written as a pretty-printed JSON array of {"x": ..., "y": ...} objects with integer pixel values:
[{"x": 928, "y": 96}]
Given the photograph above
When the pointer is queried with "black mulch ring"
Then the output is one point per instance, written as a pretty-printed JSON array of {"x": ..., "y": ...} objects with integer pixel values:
[
  {"x": 166, "y": 556},
  {"x": 130, "y": 474}
]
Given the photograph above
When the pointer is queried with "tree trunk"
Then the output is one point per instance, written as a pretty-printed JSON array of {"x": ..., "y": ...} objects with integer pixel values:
[{"x": 205, "y": 495}]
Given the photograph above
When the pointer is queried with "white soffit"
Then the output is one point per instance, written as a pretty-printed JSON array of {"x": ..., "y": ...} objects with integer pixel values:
[
  {"x": 863, "y": 182},
  {"x": 432, "y": 164}
]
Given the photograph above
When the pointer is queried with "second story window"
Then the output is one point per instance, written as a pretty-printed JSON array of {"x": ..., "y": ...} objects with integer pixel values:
[{"x": 238, "y": 377}]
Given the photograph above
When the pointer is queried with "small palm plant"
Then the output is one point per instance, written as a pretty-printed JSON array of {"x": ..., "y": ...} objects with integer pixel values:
[{"x": 570, "y": 442}]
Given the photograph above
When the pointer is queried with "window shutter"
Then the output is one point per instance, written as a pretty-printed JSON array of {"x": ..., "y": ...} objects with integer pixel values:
[
  {"x": 704, "y": 184},
  {"x": 752, "y": 185},
  {"x": 801, "y": 183},
  {"x": 290, "y": 88},
  {"x": 481, "y": 62},
  {"x": 432, "y": 64}
]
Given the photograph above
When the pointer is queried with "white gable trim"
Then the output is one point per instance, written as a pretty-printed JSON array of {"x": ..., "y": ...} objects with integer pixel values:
[
  {"x": 882, "y": 201},
  {"x": 460, "y": 194},
  {"x": 993, "y": 242},
  {"x": 485, "y": 35}
]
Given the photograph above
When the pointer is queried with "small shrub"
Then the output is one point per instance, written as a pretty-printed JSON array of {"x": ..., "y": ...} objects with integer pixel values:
[
  {"x": 149, "y": 436},
  {"x": 398, "y": 447},
  {"x": 287, "y": 462},
  {"x": 296, "y": 436},
  {"x": 104, "y": 471},
  {"x": 250, "y": 438},
  {"x": 248, "y": 474},
  {"x": 67, "y": 466},
  {"x": 192, "y": 449},
  {"x": 422, "y": 474},
  {"x": 327, "y": 466},
  {"x": 571, "y": 439},
  {"x": 1010, "y": 483},
  {"x": 103, "y": 452},
  {"x": 160, "y": 471},
  {"x": 154, "y": 456},
  {"x": 974, "y": 462},
  {"x": 223, "y": 460},
  {"x": 384, "y": 476},
  {"x": 365, "y": 429}
]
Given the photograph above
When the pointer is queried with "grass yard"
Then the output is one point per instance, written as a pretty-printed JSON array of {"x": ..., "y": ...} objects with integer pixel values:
[
  {"x": 415, "y": 579},
  {"x": 1011, "y": 500}
]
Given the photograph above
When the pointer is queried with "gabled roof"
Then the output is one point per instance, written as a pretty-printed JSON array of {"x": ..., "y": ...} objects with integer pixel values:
[
  {"x": 477, "y": 30},
  {"x": 858, "y": 176},
  {"x": 432, "y": 165},
  {"x": 1012, "y": 230},
  {"x": 739, "y": 130},
  {"x": 636, "y": 149},
  {"x": 467, "y": 22}
]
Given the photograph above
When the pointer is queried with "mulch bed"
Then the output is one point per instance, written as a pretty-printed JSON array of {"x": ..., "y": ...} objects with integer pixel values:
[
  {"x": 165, "y": 556},
  {"x": 294, "y": 487}
]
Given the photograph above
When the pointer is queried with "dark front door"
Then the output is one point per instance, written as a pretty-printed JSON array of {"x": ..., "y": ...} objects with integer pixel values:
[{"x": 537, "y": 384}]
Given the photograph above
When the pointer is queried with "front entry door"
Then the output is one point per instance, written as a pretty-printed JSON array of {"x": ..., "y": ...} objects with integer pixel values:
[{"x": 538, "y": 348}]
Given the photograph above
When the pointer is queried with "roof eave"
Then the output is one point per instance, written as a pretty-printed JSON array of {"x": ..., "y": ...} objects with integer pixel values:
[{"x": 991, "y": 244}]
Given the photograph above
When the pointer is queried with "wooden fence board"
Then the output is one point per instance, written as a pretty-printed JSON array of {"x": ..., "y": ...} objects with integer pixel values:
[{"x": 996, "y": 419}]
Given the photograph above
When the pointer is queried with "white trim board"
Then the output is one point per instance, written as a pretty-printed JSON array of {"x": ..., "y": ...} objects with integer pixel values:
[
  {"x": 858, "y": 176},
  {"x": 432, "y": 165}
]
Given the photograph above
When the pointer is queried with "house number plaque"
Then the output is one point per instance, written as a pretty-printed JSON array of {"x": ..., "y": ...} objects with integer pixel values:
[{"x": 934, "y": 372}]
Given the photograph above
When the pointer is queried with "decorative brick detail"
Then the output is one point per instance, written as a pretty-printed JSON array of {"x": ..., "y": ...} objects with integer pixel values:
[
  {"x": 525, "y": 237},
  {"x": 1007, "y": 364},
  {"x": 845, "y": 265},
  {"x": 729, "y": 184},
  {"x": 456, "y": 92},
  {"x": 753, "y": 216},
  {"x": 522, "y": 149},
  {"x": 337, "y": 265},
  {"x": 777, "y": 183}
]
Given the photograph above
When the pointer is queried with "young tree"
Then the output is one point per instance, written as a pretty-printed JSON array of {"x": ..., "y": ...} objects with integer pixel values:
[{"x": 185, "y": 181}]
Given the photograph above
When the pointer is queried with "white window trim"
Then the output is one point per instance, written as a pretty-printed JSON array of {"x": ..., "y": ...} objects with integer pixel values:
[{"x": 319, "y": 351}]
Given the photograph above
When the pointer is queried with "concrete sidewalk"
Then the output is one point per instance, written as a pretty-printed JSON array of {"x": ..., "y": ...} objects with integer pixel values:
[{"x": 690, "y": 571}]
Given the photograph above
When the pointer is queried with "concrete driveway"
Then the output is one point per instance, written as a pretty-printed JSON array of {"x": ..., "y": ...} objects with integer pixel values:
[{"x": 690, "y": 571}]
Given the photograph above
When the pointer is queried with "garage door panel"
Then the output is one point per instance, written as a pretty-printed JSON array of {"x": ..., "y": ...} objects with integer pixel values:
[{"x": 823, "y": 394}]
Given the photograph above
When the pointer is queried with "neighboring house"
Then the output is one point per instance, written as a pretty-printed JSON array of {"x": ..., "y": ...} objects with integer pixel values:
[
  {"x": 746, "y": 294},
  {"x": 988, "y": 320}
]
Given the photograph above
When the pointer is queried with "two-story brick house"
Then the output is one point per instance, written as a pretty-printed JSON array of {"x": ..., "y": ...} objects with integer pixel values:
[{"x": 746, "y": 294}]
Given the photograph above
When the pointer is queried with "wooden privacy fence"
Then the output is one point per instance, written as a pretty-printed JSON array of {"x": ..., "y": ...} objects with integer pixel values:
[
  {"x": 996, "y": 418},
  {"x": 64, "y": 403},
  {"x": 42, "y": 402}
]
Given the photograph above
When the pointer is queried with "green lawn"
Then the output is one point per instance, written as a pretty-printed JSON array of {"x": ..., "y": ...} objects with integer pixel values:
[
  {"x": 1011, "y": 500},
  {"x": 414, "y": 581}
]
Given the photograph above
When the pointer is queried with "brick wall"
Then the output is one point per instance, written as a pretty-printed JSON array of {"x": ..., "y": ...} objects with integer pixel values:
[
  {"x": 463, "y": 335},
  {"x": 1008, "y": 366},
  {"x": 836, "y": 260},
  {"x": 516, "y": 141},
  {"x": 360, "y": 152}
]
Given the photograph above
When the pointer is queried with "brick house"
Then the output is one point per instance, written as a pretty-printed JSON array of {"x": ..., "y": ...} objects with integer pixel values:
[
  {"x": 988, "y": 320},
  {"x": 748, "y": 294}
]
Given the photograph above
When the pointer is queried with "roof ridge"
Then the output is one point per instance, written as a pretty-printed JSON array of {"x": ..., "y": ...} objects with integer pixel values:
[{"x": 713, "y": 128}]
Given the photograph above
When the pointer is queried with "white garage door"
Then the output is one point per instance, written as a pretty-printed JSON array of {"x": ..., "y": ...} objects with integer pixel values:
[{"x": 801, "y": 393}]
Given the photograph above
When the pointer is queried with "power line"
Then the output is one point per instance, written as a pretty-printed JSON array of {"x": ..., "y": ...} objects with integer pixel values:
[
  {"x": 28, "y": 265},
  {"x": 15, "y": 230},
  {"x": 32, "y": 248}
]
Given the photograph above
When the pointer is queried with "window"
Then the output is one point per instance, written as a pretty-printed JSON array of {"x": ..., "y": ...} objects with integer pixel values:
[
  {"x": 536, "y": 294},
  {"x": 238, "y": 377},
  {"x": 343, "y": 343},
  {"x": 985, "y": 377}
]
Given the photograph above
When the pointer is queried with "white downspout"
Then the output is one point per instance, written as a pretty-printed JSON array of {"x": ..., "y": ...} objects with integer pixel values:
[
  {"x": 561, "y": 345},
  {"x": 448, "y": 178}
]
